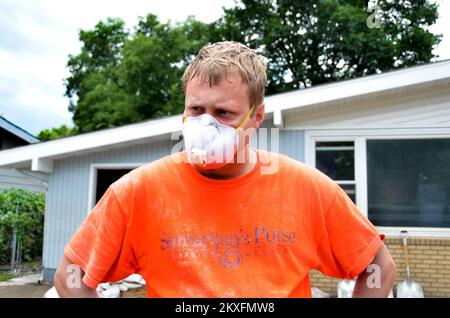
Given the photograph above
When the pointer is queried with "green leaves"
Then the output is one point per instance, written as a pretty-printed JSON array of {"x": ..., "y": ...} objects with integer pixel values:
[
  {"x": 313, "y": 42},
  {"x": 23, "y": 199},
  {"x": 56, "y": 133},
  {"x": 28, "y": 224},
  {"x": 122, "y": 77}
]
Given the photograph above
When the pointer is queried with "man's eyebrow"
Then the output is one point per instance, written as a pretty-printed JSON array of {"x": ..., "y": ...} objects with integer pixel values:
[
  {"x": 216, "y": 107},
  {"x": 227, "y": 109},
  {"x": 195, "y": 104}
]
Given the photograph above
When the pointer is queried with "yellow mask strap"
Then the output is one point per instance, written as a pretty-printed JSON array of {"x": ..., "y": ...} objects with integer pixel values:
[{"x": 245, "y": 119}]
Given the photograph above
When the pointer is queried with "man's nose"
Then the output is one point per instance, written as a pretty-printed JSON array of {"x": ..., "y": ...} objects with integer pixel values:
[{"x": 207, "y": 120}]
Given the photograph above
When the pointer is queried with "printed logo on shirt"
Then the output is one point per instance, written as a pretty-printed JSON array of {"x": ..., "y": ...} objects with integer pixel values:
[{"x": 229, "y": 250}]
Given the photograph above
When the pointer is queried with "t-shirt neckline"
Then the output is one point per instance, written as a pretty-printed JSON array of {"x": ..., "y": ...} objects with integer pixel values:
[{"x": 222, "y": 182}]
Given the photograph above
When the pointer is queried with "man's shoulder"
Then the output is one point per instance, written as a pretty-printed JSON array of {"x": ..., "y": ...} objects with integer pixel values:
[
  {"x": 284, "y": 162},
  {"x": 159, "y": 167},
  {"x": 154, "y": 171}
]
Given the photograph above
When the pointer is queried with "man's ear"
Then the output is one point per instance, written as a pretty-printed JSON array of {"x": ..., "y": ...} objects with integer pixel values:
[{"x": 259, "y": 116}]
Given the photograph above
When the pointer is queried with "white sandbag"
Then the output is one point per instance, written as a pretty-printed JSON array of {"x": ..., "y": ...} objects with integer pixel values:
[
  {"x": 123, "y": 288},
  {"x": 103, "y": 286},
  {"x": 318, "y": 293},
  {"x": 345, "y": 288},
  {"x": 113, "y": 291},
  {"x": 51, "y": 293},
  {"x": 99, "y": 290},
  {"x": 132, "y": 285},
  {"x": 135, "y": 279}
]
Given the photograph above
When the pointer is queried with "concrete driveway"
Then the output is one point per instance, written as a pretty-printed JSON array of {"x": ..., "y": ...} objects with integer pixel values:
[
  {"x": 28, "y": 286},
  {"x": 24, "y": 291}
]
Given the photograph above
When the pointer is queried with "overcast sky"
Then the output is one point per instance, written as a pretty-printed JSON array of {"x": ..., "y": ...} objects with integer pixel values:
[{"x": 36, "y": 37}]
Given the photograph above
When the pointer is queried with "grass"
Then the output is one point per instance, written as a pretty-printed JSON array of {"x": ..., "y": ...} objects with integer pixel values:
[{"x": 5, "y": 276}]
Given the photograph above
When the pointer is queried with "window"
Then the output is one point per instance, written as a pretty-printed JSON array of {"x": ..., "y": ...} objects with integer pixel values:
[
  {"x": 337, "y": 160},
  {"x": 408, "y": 182},
  {"x": 106, "y": 177}
]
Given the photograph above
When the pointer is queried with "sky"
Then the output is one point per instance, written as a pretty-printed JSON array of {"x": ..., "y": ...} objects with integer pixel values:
[{"x": 36, "y": 37}]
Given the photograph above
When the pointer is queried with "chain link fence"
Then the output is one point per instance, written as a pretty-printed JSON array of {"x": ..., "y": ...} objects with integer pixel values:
[
  {"x": 21, "y": 238},
  {"x": 10, "y": 252}
]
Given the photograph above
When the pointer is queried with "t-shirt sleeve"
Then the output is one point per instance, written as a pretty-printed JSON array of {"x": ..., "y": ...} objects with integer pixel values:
[
  {"x": 350, "y": 241},
  {"x": 100, "y": 246}
]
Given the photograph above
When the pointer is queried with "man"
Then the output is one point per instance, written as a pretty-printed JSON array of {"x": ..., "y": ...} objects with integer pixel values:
[{"x": 213, "y": 221}]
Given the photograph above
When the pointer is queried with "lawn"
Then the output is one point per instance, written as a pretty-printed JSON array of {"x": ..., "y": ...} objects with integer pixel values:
[{"x": 5, "y": 276}]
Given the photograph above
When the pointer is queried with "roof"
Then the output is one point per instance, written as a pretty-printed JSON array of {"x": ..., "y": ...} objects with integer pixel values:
[
  {"x": 17, "y": 131},
  {"x": 396, "y": 80},
  {"x": 40, "y": 156}
]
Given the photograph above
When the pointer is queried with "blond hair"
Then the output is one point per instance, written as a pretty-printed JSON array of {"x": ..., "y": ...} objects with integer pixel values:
[{"x": 215, "y": 61}]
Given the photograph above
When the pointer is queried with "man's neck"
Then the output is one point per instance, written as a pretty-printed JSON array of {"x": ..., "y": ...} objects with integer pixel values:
[{"x": 232, "y": 170}]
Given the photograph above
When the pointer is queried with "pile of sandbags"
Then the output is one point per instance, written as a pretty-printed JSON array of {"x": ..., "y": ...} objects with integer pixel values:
[
  {"x": 110, "y": 290},
  {"x": 113, "y": 290}
]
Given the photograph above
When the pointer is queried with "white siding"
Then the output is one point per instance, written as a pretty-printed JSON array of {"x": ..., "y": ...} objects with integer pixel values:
[
  {"x": 11, "y": 178},
  {"x": 414, "y": 110}
]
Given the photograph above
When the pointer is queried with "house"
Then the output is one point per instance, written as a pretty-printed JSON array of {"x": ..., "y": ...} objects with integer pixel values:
[
  {"x": 384, "y": 138},
  {"x": 12, "y": 136}
]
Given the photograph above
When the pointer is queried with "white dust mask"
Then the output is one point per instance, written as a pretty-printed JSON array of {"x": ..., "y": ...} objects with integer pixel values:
[{"x": 209, "y": 143}]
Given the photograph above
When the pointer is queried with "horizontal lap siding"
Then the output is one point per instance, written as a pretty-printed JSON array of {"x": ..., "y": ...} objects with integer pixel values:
[{"x": 10, "y": 178}]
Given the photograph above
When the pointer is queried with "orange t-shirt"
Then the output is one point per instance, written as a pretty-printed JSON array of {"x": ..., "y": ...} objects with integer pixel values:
[{"x": 258, "y": 235}]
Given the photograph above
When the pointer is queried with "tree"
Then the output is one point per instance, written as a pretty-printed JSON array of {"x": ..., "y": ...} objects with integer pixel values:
[
  {"x": 313, "y": 42},
  {"x": 56, "y": 133},
  {"x": 123, "y": 77},
  {"x": 96, "y": 97}
]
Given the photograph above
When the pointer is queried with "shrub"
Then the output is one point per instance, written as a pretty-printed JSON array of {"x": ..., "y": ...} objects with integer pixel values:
[{"x": 28, "y": 223}]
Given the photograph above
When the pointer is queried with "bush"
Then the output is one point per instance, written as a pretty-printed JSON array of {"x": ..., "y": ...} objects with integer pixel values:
[{"x": 28, "y": 224}]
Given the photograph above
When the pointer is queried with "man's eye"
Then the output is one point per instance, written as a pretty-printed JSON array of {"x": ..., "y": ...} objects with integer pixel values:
[
  {"x": 223, "y": 113},
  {"x": 196, "y": 109}
]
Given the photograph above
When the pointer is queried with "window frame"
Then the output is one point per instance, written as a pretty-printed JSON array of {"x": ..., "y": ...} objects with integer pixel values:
[
  {"x": 358, "y": 198},
  {"x": 360, "y": 137},
  {"x": 93, "y": 169}
]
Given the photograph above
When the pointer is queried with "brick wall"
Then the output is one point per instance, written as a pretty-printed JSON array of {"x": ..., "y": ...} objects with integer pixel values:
[{"x": 429, "y": 263}]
